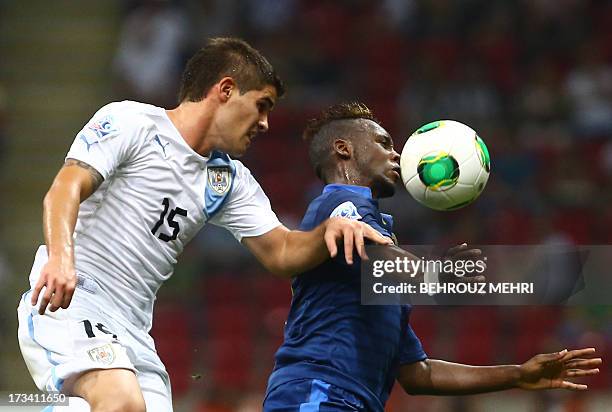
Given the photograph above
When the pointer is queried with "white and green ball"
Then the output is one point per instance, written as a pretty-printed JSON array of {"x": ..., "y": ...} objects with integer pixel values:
[{"x": 445, "y": 165}]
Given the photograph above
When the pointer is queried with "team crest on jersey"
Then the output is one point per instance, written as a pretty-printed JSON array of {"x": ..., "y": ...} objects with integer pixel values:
[
  {"x": 220, "y": 179},
  {"x": 347, "y": 210},
  {"x": 103, "y": 354},
  {"x": 102, "y": 127}
]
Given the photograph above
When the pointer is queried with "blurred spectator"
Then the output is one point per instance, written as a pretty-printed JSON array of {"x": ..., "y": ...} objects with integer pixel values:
[
  {"x": 399, "y": 13},
  {"x": 5, "y": 273},
  {"x": 589, "y": 86},
  {"x": 269, "y": 16},
  {"x": 213, "y": 18},
  {"x": 472, "y": 98},
  {"x": 606, "y": 159},
  {"x": 3, "y": 125},
  {"x": 148, "y": 62}
]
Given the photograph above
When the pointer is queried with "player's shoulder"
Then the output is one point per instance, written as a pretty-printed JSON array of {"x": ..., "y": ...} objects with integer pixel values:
[
  {"x": 243, "y": 179},
  {"x": 125, "y": 107},
  {"x": 241, "y": 171},
  {"x": 341, "y": 202},
  {"x": 334, "y": 203},
  {"x": 129, "y": 114},
  {"x": 137, "y": 122},
  {"x": 239, "y": 166}
]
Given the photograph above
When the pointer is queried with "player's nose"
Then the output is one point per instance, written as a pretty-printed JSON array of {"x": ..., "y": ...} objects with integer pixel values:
[
  {"x": 395, "y": 157},
  {"x": 262, "y": 124}
]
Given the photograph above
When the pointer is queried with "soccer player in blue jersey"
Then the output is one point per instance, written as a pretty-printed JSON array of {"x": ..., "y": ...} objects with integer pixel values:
[{"x": 339, "y": 355}]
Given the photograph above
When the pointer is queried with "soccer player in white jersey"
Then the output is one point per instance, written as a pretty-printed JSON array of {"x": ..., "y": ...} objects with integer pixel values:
[{"x": 137, "y": 184}]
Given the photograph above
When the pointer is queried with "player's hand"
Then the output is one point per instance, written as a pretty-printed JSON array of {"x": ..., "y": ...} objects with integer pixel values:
[
  {"x": 353, "y": 233},
  {"x": 60, "y": 281},
  {"x": 463, "y": 252},
  {"x": 550, "y": 370}
]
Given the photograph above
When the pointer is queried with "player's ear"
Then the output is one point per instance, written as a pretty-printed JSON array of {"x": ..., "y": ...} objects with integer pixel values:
[
  {"x": 343, "y": 148},
  {"x": 225, "y": 88}
]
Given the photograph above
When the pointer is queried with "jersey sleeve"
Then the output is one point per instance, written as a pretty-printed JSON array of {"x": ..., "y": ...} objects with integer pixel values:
[
  {"x": 247, "y": 212},
  {"x": 411, "y": 350},
  {"x": 105, "y": 141}
]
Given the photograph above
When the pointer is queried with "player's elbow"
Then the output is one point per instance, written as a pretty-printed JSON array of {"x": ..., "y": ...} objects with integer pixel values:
[
  {"x": 408, "y": 386},
  {"x": 62, "y": 190},
  {"x": 415, "y": 378},
  {"x": 281, "y": 264},
  {"x": 409, "y": 390},
  {"x": 49, "y": 199},
  {"x": 414, "y": 390},
  {"x": 46, "y": 200},
  {"x": 280, "y": 260},
  {"x": 278, "y": 269}
]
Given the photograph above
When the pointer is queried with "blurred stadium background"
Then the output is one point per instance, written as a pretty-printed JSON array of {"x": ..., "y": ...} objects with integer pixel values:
[{"x": 534, "y": 77}]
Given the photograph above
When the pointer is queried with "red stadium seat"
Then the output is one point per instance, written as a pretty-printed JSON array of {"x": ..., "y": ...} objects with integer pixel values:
[
  {"x": 172, "y": 331},
  {"x": 230, "y": 361},
  {"x": 534, "y": 328},
  {"x": 476, "y": 336},
  {"x": 423, "y": 323},
  {"x": 229, "y": 320}
]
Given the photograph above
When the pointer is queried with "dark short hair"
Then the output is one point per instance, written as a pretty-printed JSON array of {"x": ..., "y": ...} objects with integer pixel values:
[
  {"x": 231, "y": 57},
  {"x": 333, "y": 122}
]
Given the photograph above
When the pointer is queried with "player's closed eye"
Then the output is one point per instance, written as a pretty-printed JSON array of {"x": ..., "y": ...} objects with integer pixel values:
[
  {"x": 263, "y": 107},
  {"x": 386, "y": 144}
]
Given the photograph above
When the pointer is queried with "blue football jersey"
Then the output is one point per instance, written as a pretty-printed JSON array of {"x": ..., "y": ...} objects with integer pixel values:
[{"x": 329, "y": 334}]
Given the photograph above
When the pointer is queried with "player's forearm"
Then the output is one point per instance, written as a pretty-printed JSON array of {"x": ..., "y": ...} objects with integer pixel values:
[
  {"x": 60, "y": 211},
  {"x": 291, "y": 252},
  {"x": 436, "y": 377},
  {"x": 75, "y": 182},
  {"x": 302, "y": 251}
]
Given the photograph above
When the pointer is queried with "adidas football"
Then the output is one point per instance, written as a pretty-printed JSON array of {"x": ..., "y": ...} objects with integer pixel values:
[{"x": 445, "y": 165}]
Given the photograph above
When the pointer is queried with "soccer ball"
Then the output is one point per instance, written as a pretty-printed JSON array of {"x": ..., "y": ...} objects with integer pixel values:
[{"x": 445, "y": 165}]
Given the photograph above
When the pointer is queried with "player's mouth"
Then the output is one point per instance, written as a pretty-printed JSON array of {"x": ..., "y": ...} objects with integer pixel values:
[
  {"x": 250, "y": 136},
  {"x": 396, "y": 172}
]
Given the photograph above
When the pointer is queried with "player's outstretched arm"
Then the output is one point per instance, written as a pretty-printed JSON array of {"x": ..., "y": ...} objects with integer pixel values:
[
  {"x": 289, "y": 252},
  {"x": 75, "y": 182},
  {"x": 544, "y": 371},
  {"x": 551, "y": 370}
]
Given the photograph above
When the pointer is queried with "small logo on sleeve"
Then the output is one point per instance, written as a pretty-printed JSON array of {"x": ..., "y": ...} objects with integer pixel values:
[
  {"x": 97, "y": 130},
  {"x": 347, "y": 210},
  {"x": 102, "y": 127}
]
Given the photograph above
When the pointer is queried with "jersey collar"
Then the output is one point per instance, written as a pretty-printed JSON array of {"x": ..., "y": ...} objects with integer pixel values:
[
  {"x": 217, "y": 154},
  {"x": 360, "y": 190}
]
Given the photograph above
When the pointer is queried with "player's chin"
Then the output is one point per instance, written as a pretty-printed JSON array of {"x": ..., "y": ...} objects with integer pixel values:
[
  {"x": 246, "y": 143},
  {"x": 386, "y": 187},
  {"x": 239, "y": 151}
]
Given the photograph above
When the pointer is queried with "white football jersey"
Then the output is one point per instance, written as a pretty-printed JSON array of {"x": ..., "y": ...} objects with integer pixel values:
[{"x": 156, "y": 195}]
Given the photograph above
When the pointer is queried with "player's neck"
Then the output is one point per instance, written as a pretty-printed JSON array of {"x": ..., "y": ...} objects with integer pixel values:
[
  {"x": 345, "y": 176},
  {"x": 193, "y": 120}
]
